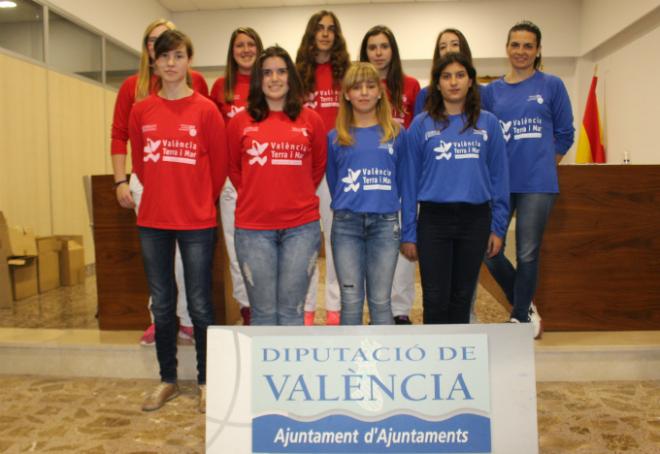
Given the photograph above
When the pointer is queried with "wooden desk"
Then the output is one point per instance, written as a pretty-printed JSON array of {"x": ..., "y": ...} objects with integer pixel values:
[
  {"x": 600, "y": 260},
  {"x": 120, "y": 280}
]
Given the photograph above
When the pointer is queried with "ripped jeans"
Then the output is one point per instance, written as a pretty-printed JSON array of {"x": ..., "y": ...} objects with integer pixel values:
[
  {"x": 277, "y": 266},
  {"x": 366, "y": 250}
]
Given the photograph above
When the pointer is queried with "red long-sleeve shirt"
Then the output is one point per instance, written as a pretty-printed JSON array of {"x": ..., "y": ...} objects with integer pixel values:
[
  {"x": 241, "y": 92},
  {"x": 276, "y": 166},
  {"x": 124, "y": 104},
  {"x": 179, "y": 153},
  {"x": 325, "y": 98},
  {"x": 408, "y": 97}
]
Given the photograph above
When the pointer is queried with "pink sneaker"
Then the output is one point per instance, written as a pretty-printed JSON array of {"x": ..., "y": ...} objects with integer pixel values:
[
  {"x": 309, "y": 318},
  {"x": 149, "y": 335},
  {"x": 332, "y": 318},
  {"x": 186, "y": 333}
]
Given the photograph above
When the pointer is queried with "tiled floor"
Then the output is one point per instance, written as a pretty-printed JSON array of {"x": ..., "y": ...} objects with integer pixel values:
[{"x": 66, "y": 415}]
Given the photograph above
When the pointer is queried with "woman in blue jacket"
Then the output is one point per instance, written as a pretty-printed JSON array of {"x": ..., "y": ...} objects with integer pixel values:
[{"x": 537, "y": 122}]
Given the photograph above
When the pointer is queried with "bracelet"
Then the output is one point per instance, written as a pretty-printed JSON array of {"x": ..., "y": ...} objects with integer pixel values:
[{"x": 118, "y": 183}]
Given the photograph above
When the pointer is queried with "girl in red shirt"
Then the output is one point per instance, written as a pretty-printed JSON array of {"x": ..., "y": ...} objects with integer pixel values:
[
  {"x": 179, "y": 152},
  {"x": 129, "y": 192},
  {"x": 230, "y": 93},
  {"x": 277, "y": 160},
  {"x": 322, "y": 61}
]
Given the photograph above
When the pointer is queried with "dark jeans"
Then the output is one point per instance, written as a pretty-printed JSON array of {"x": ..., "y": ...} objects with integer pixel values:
[
  {"x": 451, "y": 242},
  {"x": 519, "y": 284},
  {"x": 197, "y": 248}
]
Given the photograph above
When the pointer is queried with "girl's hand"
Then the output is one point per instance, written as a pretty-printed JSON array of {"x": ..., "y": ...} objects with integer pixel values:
[
  {"x": 409, "y": 251},
  {"x": 494, "y": 245},
  {"x": 124, "y": 196}
]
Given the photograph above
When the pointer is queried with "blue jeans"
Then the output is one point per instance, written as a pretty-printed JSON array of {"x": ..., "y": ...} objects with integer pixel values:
[
  {"x": 197, "y": 248},
  {"x": 277, "y": 266},
  {"x": 365, "y": 247},
  {"x": 519, "y": 284}
]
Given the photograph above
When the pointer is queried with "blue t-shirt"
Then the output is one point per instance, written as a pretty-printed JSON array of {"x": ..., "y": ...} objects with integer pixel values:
[
  {"x": 537, "y": 123},
  {"x": 365, "y": 177},
  {"x": 444, "y": 165}
]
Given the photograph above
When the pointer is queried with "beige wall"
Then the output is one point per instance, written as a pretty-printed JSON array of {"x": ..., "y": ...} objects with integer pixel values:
[{"x": 54, "y": 130}]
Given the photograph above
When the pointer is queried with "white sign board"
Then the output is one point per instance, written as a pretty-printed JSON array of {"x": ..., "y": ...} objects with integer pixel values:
[{"x": 371, "y": 389}]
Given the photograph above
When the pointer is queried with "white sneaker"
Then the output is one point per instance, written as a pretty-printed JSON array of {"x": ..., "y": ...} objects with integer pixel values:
[
  {"x": 536, "y": 320},
  {"x": 513, "y": 320}
]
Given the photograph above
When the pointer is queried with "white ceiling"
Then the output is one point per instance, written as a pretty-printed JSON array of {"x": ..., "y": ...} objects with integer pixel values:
[{"x": 205, "y": 5}]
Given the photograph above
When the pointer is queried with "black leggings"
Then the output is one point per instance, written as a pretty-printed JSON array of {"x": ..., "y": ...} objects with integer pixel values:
[{"x": 451, "y": 241}]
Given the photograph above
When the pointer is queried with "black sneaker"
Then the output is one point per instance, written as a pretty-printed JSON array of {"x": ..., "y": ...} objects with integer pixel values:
[{"x": 402, "y": 320}]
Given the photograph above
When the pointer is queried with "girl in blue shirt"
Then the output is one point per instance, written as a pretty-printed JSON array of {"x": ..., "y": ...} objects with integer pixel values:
[
  {"x": 537, "y": 122},
  {"x": 456, "y": 169},
  {"x": 449, "y": 40},
  {"x": 364, "y": 155}
]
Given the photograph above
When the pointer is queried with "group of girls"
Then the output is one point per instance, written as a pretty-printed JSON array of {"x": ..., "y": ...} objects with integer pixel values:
[{"x": 323, "y": 140}]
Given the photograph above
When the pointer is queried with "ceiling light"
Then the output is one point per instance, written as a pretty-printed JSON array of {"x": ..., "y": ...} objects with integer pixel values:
[{"x": 7, "y": 4}]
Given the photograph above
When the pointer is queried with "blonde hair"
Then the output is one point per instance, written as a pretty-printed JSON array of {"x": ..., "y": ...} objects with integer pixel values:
[
  {"x": 142, "y": 88},
  {"x": 356, "y": 74}
]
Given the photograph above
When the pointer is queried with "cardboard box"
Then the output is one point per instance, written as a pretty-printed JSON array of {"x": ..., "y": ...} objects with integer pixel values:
[
  {"x": 72, "y": 259},
  {"x": 22, "y": 242},
  {"x": 23, "y": 277},
  {"x": 48, "y": 262}
]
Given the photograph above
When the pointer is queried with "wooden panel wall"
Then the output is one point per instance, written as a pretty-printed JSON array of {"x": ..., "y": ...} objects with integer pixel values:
[
  {"x": 600, "y": 260},
  {"x": 24, "y": 159},
  {"x": 77, "y": 148},
  {"x": 54, "y": 130},
  {"x": 120, "y": 280}
]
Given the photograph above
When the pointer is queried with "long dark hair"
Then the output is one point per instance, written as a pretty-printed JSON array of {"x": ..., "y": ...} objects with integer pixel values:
[
  {"x": 257, "y": 104},
  {"x": 306, "y": 56},
  {"x": 232, "y": 68},
  {"x": 463, "y": 48},
  {"x": 436, "y": 103},
  {"x": 394, "y": 80},
  {"x": 528, "y": 26}
]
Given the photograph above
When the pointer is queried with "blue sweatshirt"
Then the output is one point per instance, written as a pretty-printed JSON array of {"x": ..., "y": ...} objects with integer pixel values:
[
  {"x": 450, "y": 166},
  {"x": 537, "y": 122},
  {"x": 420, "y": 100},
  {"x": 365, "y": 177}
]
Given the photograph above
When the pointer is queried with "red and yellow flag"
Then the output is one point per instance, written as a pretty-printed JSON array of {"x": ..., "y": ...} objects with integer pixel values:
[{"x": 590, "y": 144}]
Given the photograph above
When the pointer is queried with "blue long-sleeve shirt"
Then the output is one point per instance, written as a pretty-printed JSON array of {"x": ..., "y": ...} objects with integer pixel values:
[
  {"x": 450, "y": 166},
  {"x": 420, "y": 100},
  {"x": 365, "y": 177},
  {"x": 537, "y": 122}
]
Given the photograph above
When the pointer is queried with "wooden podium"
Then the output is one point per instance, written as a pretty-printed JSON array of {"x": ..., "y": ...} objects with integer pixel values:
[
  {"x": 120, "y": 280},
  {"x": 600, "y": 260}
]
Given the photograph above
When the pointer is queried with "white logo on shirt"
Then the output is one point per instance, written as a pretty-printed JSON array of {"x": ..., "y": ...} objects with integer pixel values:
[
  {"x": 234, "y": 111},
  {"x": 150, "y": 150},
  {"x": 506, "y": 126},
  {"x": 191, "y": 129},
  {"x": 302, "y": 131},
  {"x": 311, "y": 101},
  {"x": 481, "y": 132},
  {"x": 537, "y": 98},
  {"x": 443, "y": 150},
  {"x": 256, "y": 151},
  {"x": 389, "y": 146},
  {"x": 351, "y": 180}
]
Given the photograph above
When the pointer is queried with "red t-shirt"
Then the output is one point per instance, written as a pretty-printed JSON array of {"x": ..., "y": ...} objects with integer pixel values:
[
  {"x": 408, "y": 97},
  {"x": 241, "y": 92},
  {"x": 179, "y": 153},
  {"x": 325, "y": 98},
  {"x": 125, "y": 101},
  {"x": 276, "y": 166}
]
